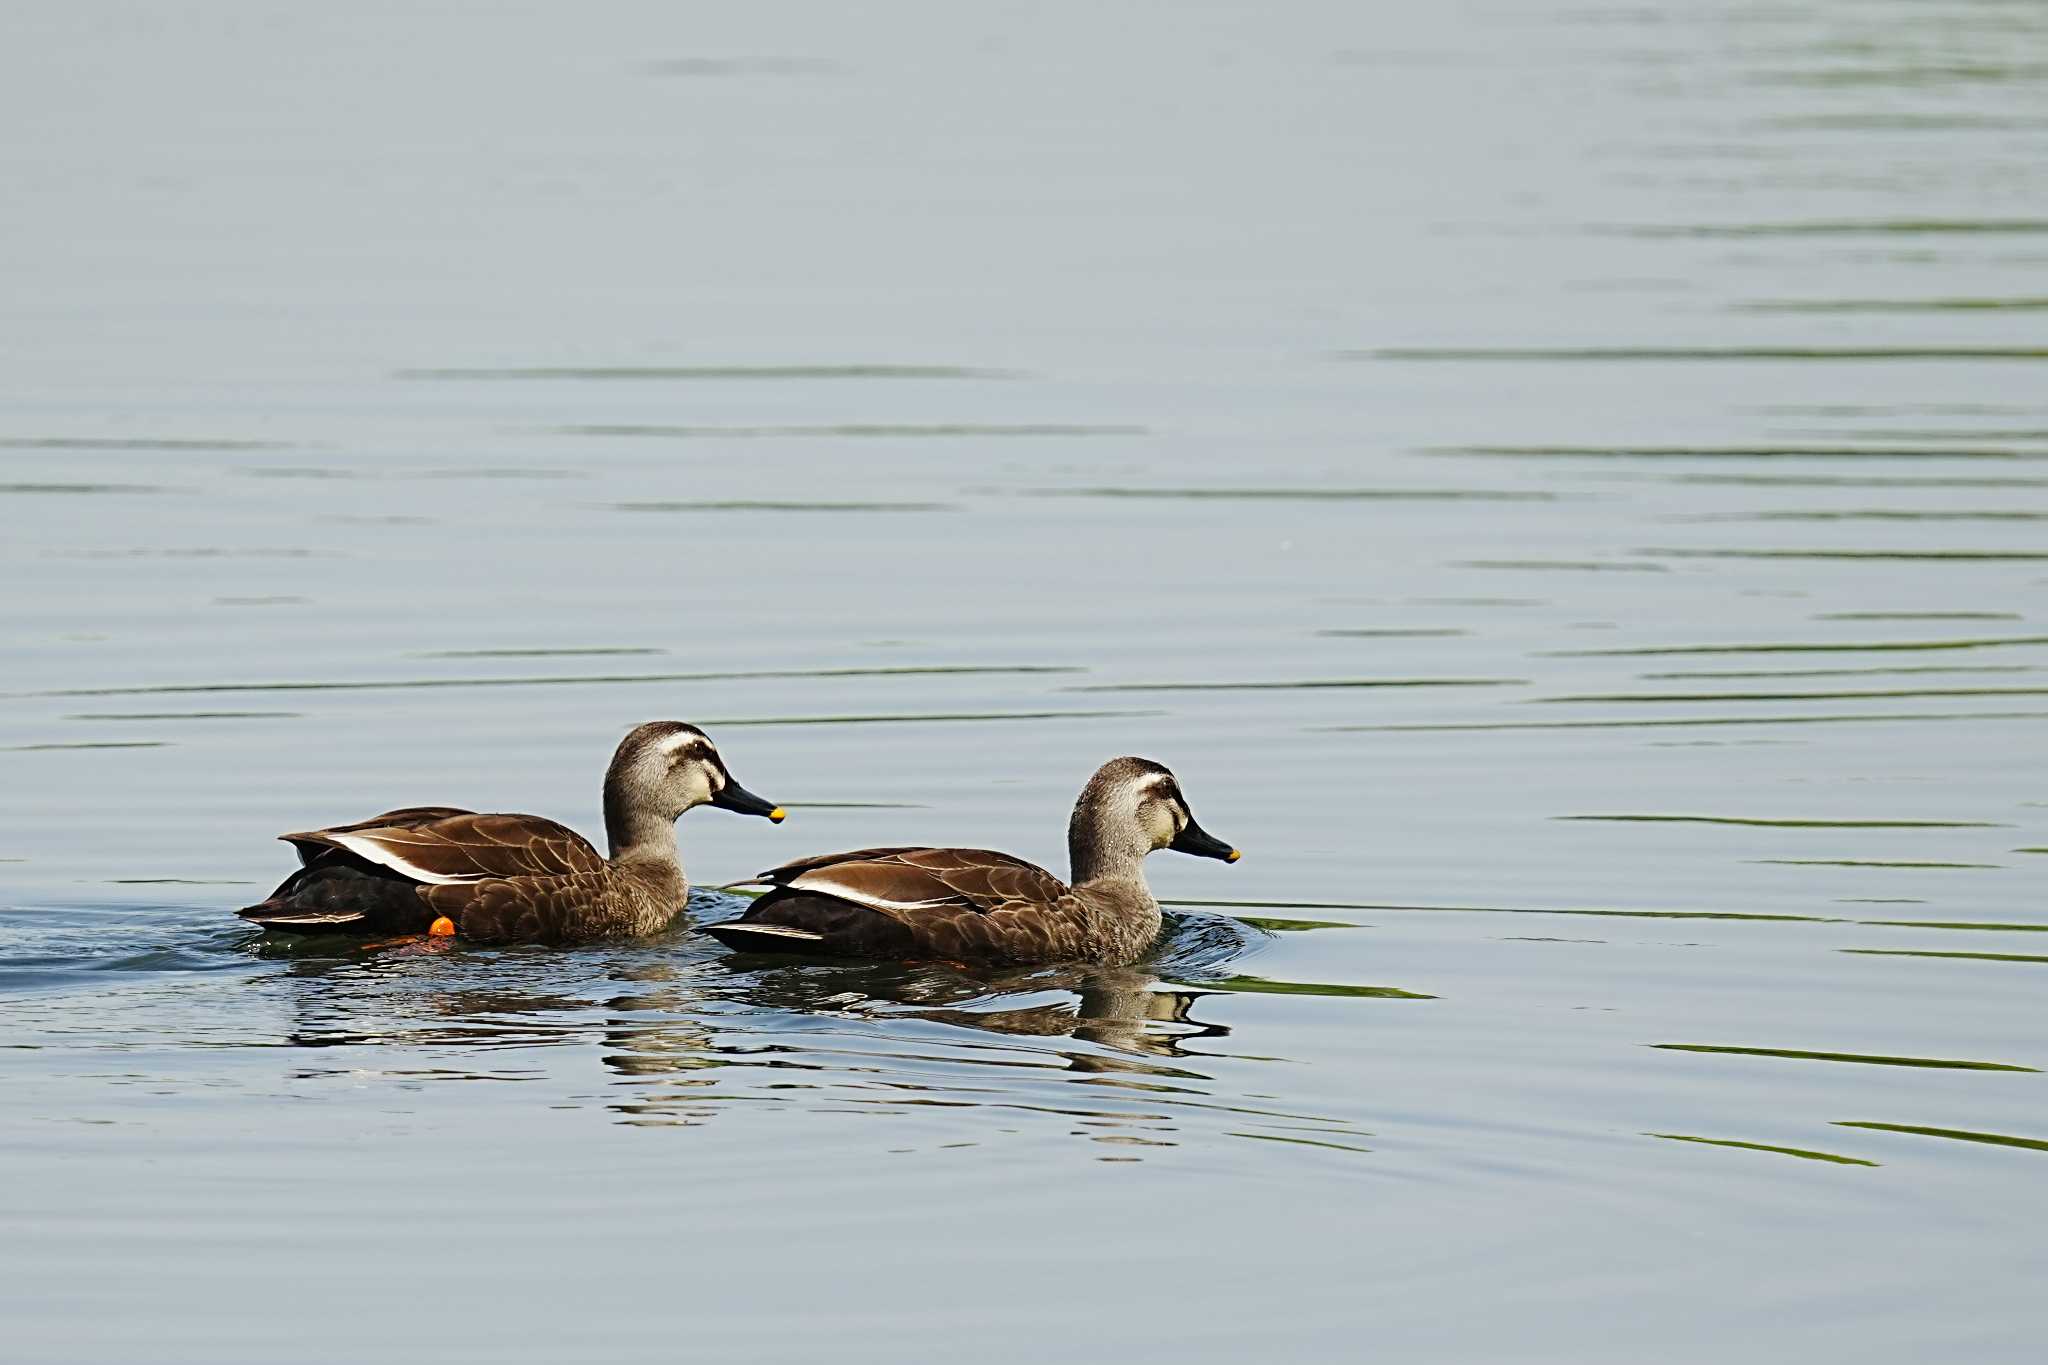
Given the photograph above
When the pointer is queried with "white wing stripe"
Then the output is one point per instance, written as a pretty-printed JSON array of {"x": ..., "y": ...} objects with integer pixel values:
[
  {"x": 823, "y": 883},
  {"x": 366, "y": 847},
  {"x": 773, "y": 931}
]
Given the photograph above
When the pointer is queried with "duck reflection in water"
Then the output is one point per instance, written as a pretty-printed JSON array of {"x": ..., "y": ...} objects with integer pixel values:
[
  {"x": 1125, "y": 1009},
  {"x": 683, "y": 1036}
]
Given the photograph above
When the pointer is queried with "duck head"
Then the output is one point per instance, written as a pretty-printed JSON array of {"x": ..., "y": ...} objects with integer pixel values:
[
  {"x": 662, "y": 769},
  {"x": 1132, "y": 807}
]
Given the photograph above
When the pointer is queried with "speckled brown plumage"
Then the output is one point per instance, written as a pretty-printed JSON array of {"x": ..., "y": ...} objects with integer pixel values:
[
  {"x": 504, "y": 878},
  {"x": 973, "y": 904}
]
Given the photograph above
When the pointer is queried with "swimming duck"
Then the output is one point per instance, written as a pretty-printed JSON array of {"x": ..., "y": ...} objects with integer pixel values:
[
  {"x": 517, "y": 878},
  {"x": 971, "y": 904}
]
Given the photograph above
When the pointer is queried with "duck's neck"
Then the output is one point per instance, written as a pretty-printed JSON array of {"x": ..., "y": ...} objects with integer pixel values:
[
  {"x": 638, "y": 835},
  {"x": 1094, "y": 859},
  {"x": 653, "y": 865}
]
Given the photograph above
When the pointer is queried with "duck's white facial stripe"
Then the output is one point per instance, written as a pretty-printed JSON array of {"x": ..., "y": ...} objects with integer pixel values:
[
  {"x": 1154, "y": 788},
  {"x": 369, "y": 850},
  {"x": 695, "y": 755}
]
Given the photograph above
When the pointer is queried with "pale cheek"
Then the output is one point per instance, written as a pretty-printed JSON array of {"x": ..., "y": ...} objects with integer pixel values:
[{"x": 692, "y": 789}]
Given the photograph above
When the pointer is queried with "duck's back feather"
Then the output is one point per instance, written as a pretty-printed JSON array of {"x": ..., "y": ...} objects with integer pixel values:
[
  {"x": 426, "y": 846},
  {"x": 499, "y": 876},
  {"x": 919, "y": 879},
  {"x": 955, "y": 903}
]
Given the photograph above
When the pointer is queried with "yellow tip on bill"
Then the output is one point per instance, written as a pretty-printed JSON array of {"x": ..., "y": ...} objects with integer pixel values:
[
  {"x": 778, "y": 815},
  {"x": 441, "y": 928},
  {"x": 1234, "y": 856}
]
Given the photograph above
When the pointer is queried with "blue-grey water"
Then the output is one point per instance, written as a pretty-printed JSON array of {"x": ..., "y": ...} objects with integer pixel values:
[{"x": 1565, "y": 486}]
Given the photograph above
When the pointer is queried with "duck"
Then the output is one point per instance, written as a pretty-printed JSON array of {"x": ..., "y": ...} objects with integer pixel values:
[
  {"x": 974, "y": 905},
  {"x": 503, "y": 878}
]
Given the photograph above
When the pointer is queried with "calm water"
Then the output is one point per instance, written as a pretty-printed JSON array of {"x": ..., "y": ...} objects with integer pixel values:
[{"x": 1565, "y": 486}]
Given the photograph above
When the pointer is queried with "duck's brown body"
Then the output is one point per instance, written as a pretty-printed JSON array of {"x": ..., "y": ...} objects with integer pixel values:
[
  {"x": 500, "y": 878},
  {"x": 497, "y": 878},
  {"x": 975, "y": 905},
  {"x": 964, "y": 904}
]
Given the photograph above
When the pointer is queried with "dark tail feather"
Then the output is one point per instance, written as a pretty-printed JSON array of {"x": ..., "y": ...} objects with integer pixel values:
[
  {"x": 276, "y": 914},
  {"x": 764, "y": 938},
  {"x": 335, "y": 897}
]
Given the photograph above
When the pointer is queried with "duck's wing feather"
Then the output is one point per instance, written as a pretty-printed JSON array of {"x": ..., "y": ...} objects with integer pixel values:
[
  {"x": 781, "y": 875},
  {"x": 425, "y": 845},
  {"x": 310, "y": 846},
  {"x": 902, "y": 882}
]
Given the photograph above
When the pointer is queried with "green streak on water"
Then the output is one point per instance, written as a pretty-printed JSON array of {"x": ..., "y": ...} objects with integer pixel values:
[
  {"x": 1825, "y": 481},
  {"x": 1956, "y": 1134},
  {"x": 1924, "y": 556},
  {"x": 85, "y": 488},
  {"x": 1748, "y": 452},
  {"x": 1580, "y": 565},
  {"x": 1898, "y": 121},
  {"x": 1677, "y": 721},
  {"x": 1259, "y": 985},
  {"x": 1804, "y": 1153},
  {"x": 1867, "y": 694},
  {"x": 1918, "y": 616},
  {"x": 576, "y": 652},
  {"x": 1788, "y": 824},
  {"x": 1803, "y": 647},
  {"x": 1734, "y": 673},
  {"x": 1293, "y": 926},
  {"x": 1390, "y": 634},
  {"x": 1944, "y": 433},
  {"x": 1300, "y": 1142},
  {"x": 1977, "y": 926},
  {"x": 737, "y": 722},
  {"x": 133, "y": 443},
  {"x": 1544, "y": 354},
  {"x": 1865, "y": 862},
  {"x": 1860, "y": 1058},
  {"x": 1934, "y": 952},
  {"x": 88, "y": 744},
  {"x": 770, "y": 505},
  {"x": 185, "y": 715},
  {"x": 1885, "y": 514},
  {"x": 1933, "y": 73},
  {"x": 1479, "y": 601},
  {"x": 1946, "y": 305},
  {"x": 1297, "y": 494},
  {"x": 851, "y": 430},
  {"x": 1510, "y": 910},
  {"x": 659, "y": 372},
  {"x": 1302, "y": 684},
  {"x": 385, "y": 684},
  {"x": 1838, "y": 227}
]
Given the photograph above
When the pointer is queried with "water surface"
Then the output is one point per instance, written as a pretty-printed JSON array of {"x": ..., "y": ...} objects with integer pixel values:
[{"x": 1563, "y": 486}]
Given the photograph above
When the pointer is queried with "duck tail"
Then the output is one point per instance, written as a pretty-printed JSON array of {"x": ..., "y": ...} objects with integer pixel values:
[
  {"x": 763, "y": 938},
  {"x": 337, "y": 898},
  {"x": 282, "y": 914}
]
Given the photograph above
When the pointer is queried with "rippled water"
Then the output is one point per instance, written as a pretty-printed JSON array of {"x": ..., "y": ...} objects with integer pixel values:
[{"x": 1563, "y": 486}]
